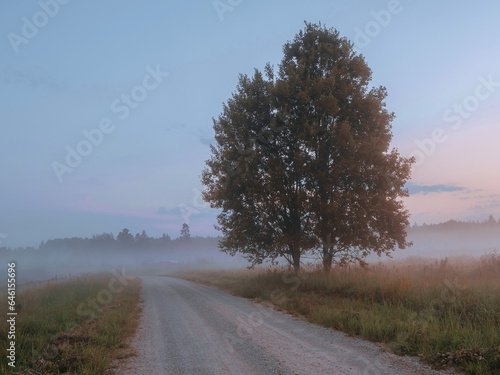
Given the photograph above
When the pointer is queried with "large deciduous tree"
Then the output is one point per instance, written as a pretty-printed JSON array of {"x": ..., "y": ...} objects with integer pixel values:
[{"x": 303, "y": 161}]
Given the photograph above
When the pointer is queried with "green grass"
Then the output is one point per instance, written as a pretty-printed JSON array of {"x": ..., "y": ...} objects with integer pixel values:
[
  {"x": 447, "y": 312},
  {"x": 58, "y": 330}
]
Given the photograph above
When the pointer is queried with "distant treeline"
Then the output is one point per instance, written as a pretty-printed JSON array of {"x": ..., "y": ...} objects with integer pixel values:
[
  {"x": 123, "y": 241},
  {"x": 451, "y": 225},
  {"x": 456, "y": 235},
  {"x": 450, "y": 235},
  {"x": 106, "y": 249}
]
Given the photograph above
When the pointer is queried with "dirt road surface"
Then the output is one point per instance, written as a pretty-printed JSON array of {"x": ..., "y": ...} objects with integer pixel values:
[{"x": 194, "y": 329}]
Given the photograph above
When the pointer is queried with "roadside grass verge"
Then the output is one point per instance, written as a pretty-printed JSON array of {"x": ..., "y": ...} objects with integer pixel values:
[
  {"x": 445, "y": 311},
  {"x": 76, "y": 326}
]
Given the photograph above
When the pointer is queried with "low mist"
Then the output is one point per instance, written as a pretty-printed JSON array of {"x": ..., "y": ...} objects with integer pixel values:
[{"x": 139, "y": 255}]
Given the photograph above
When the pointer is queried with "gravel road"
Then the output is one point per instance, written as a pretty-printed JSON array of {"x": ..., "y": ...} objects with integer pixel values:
[{"x": 192, "y": 329}]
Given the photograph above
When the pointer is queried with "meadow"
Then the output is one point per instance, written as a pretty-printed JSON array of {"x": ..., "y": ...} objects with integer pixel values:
[
  {"x": 72, "y": 326},
  {"x": 447, "y": 311}
]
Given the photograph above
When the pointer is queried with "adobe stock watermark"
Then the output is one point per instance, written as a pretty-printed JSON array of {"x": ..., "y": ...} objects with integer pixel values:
[
  {"x": 105, "y": 296},
  {"x": 198, "y": 204},
  {"x": 373, "y": 366},
  {"x": 420, "y": 321},
  {"x": 380, "y": 20},
  {"x": 265, "y": 137},
  {"x": 121, "y": 107},
  {"x": 247, "y": 325},
  {"x": 455, "y": 116},
  {"x": 32, "y": 25},
  {"x": 232, "y": 170},
  {"x": 223, "y": 6}
]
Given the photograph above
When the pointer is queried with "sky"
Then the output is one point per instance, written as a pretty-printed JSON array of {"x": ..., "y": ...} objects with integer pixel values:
[{"x": 106, "y": 107}]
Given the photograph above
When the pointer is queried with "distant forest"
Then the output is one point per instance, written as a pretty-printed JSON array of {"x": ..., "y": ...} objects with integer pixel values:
[
  {"x": 459, "y": 236},
  {"x": 448, "y": 236},
  {"x": 489, "y": 223},
  {"x": 105, "y": 248},
  {"x": 125, "y": 240}
]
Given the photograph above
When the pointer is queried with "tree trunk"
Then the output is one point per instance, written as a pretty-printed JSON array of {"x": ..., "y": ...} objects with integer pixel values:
[
  {"x": 327, "y": 259},
  {"x": 295, "y": 258}
]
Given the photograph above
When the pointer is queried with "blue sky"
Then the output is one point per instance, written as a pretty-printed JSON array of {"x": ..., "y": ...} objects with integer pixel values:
[{"x": 439, "y": 62}]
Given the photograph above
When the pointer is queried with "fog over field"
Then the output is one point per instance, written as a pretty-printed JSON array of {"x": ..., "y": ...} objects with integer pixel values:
[{"x": 146, "y": 255}]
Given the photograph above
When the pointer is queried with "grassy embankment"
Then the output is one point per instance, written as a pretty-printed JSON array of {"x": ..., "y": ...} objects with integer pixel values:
[
  {"x": 73, "y": 326},
  {"x": 447, "y": 312}
]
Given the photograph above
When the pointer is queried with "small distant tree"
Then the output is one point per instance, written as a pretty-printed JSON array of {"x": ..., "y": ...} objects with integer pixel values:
[
  {"x": 185, "y": 234},
  {"x": 125, "y": 236},
  {"x": 141, "y": 237},
  {"x": 491, "y": 221},
  {"x": 164, "y": 241}
]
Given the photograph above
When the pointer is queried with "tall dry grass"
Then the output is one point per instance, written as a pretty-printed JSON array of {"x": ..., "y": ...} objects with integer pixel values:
[{"x": 445, "y": 311}]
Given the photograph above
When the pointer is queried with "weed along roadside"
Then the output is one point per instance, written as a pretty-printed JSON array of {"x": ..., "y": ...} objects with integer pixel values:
[
  {"x": 75, "y": 326},
  {"x": 445, "y": 312}
]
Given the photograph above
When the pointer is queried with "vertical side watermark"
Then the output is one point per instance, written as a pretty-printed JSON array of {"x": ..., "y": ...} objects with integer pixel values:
[{"x": 11, "y": 313}]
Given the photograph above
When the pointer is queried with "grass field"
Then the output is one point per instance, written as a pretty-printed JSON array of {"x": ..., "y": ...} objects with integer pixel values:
[
  {"x": 445, "y": 311},
  {"x": 72, "y": 326}
]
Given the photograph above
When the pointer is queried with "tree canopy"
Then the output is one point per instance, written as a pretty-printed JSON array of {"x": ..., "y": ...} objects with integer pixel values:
[{"x": 302, "y": 160}]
